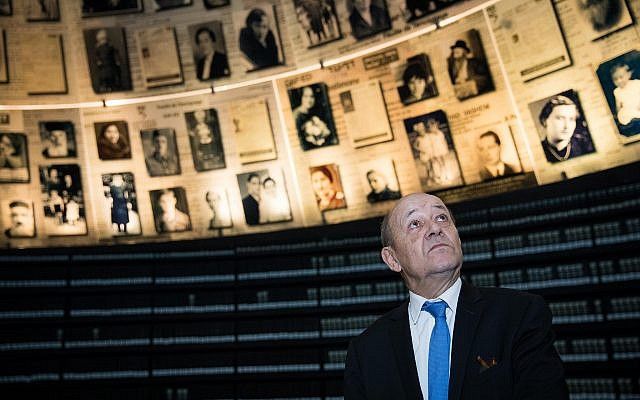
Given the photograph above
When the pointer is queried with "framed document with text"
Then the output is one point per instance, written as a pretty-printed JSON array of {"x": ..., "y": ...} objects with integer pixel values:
[
  {"x": 252, "y": 129},
  {"x": 158, "y": 55},
  {"x": 43, "y": 77},
  {"x": 529, "y": 37},
  {"x": 365, "y": 114}
]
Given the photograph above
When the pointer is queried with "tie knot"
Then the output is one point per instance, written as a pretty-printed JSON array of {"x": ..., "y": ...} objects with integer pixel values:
[{"x": 435, "y": 308}]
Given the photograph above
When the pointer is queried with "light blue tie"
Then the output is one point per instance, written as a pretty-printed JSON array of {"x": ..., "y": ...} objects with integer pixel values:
[{"x": 438, "y": 351}]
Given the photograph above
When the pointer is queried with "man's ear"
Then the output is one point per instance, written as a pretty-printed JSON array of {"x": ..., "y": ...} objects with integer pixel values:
[{"x": 389, "y": 258}]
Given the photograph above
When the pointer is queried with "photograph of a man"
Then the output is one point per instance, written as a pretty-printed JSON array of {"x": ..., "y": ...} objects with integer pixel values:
[
  {"x": 21, "y": 223},
  {"x": 218, "y": 204},
  {"x": 108, "y": 59},
  {"x": 317, "y": 21},
  {"x": 209, "y": 51},
  {"x": 601, "y": 17},
  {"x": 368, "y": 17},
  {"x": 502, "y": 345},
  {"x": 161, "y": 151},
  {"x": 380, "y": 179},
  {"x": 260, "y": 43},
  {"x": 170, "y": 210},
  {"x": 563, "y": 131},
  {"x": 251, "y": 200},
  {"x": 58, "y": 139},
  {"x": 490, "y": 151},
  {"x": 418, "y": 82},
  {"x": 467, "y": 66}
]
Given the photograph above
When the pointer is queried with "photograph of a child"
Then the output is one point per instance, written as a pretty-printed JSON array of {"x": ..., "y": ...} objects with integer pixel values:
[{"x": 620, "y": 81}]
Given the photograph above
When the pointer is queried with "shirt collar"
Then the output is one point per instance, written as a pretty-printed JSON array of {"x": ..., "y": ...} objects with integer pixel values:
[{"x": 450, "y": 296}]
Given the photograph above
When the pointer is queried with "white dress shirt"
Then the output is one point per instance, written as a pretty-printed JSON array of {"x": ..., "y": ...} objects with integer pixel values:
[{"x": 421, "y": 323}]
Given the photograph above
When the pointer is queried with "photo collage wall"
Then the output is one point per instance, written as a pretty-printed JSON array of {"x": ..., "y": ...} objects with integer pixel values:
[{"x": 479, "y": 107}]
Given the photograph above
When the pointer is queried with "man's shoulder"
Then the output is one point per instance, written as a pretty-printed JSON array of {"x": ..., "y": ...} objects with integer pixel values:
[
  {"x": 510, "y": 298},
  {"x": 381, "y": 325}
]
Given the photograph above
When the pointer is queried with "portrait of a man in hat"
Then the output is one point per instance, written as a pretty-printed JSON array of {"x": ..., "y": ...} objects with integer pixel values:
[{"x": 468, "y": 68}]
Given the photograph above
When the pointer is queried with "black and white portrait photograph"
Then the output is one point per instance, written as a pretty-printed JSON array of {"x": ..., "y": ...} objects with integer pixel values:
[
  {"x": 317, "y": 21},
  {"x": 170, "y": 210},
  {"x": 368, "y": 17},
  {"x": 211, "y": 4},
  {"x": 5, "y": 8},
  {"x": 415, "y": 79},
  {"x": 417, "y": 9},
  {"x": 17, "y": 217},
  {"x": 312, "y": 115},
  {"x": 120, "y": 193},
  {"x": 433, "y": 151},
  {"x": 160, "y": 5},
  {"x": 327, "y": 187},
  {"x": 562, "y": 128},
  {"x": 113, "y": 140},
  {"x": 58, "y": 139},
  {"x": 14, "y": 159},
  {"x": 264, "y": 197},
  {"x": 4, "y": 61},
  {"x": 218, "y": 205},
  {"x": 97, "y": 8},
  {"x": 620, "y": 81},
  {"x": 209, "y": 51},
  {"x": 259, "y": 37},
  {"x": 467, "y": 66},
  {"x": 379, "y": 179},
  {"x": 601, "y": 17},
  {"x": 488, "y": 153},
  {"x": 160, "y": 151},
  {"x": 42, "y": 10},
  {"x": 63, "y": 200},
  {"x": 205, "y": 139},
  {"x": 108, "y": 59}
]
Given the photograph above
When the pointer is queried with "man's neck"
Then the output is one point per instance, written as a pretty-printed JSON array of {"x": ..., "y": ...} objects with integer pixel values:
[{"x": 435, "y": 285}]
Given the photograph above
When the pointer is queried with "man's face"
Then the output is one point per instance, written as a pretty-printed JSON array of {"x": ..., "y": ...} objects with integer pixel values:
[
  {"x": 260, "y": 28},
  {"x": 362, "y": 5},
  {"x": 101, "y": 37},
  {"x": 253, "y": 186},
  {"x": 377, "y": 182},
  {"x": 560, "y": 125},
  {"x": 425, "y": 239},
  {"x": 161, "y": 144},
  {"x": 417, "y": 86},
  {"x": 458, "y": 53},
  {"x": 112, "y": 134},
  {"x": 21, "y": 221},
  {"x": 205, "y": 44},
  {"x": 212, "y": 200},
  {"x": 58, "y": 137},
  {"x": 489, "y": 150},
  {"x": 167, "y": 202}
]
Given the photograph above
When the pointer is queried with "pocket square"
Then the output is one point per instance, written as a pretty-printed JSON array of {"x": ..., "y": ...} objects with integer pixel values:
[{"x": 486, "y": 363}]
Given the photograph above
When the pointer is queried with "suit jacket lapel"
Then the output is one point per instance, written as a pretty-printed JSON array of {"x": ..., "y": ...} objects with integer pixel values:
[
  {"x": 468, "y": 313},
  {"x": 400, "y": 337}
]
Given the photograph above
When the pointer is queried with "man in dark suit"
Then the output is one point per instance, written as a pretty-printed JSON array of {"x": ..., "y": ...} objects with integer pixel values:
[
  {"x": 490, "y": 149},
  {"x": 212, "y": 63},
  {"x": 251, "y": 202},
  {"x": 367, "y": 19},
  {"x": 450, "y": 340},
  {"x": 469, "y": 75}
]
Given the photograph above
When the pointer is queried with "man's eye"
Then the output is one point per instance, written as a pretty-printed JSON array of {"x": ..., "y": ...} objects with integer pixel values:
[
  {"x": 414, "y": 223},
  {"x": 441, "y": 218}
]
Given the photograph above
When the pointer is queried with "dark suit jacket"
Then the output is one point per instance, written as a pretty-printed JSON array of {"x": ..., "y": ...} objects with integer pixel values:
[
  {"x": 219, "y": 66},
  {"x": 379, "y": 18},
  {"x": 251, "y": 210},
  {"x": 509, "y": 170},
  {"x": 514, "y": 327},
  {"x": 477, "y": 70}
]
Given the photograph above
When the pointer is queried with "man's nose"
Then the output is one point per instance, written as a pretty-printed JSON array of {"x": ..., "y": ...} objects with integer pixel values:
[{"x": 433, "y": 229}]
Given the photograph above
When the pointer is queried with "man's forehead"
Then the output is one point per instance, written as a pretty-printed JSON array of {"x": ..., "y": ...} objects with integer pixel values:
[{"x": 415, "y": 202}]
